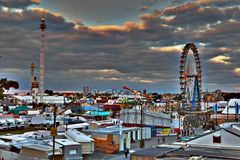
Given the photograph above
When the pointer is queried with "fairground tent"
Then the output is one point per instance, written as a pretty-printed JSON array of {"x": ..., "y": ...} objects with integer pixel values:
[{"x": 19, "y": 109}]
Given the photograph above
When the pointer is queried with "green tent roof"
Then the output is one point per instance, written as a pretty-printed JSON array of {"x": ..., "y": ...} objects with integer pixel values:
[{"x": 19, "y": 109}]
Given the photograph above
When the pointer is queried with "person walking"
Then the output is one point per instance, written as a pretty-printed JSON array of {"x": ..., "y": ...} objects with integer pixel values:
[
  {"x": 126, "y": 151},
  {"x": 163, "y": 140}
]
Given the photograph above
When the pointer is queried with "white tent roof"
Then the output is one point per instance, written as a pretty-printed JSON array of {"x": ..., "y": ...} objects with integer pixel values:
[
  {"x": 230, "y": 108},
  {"x": 78, "y": 125},
  {"x": 232, "y": 102},
  {"x": 78, "y": 136}
]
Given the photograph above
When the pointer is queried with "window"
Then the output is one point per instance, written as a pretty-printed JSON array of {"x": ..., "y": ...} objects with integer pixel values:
[
  {"x": 73, "y": 151},
  {"x": 216, "y": 138}
]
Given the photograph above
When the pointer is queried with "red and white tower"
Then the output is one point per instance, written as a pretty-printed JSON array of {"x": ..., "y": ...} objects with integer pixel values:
[{"x": 42, "y": 28}]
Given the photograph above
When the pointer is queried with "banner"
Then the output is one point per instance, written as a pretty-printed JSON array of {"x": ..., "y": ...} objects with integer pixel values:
[{"x": 163, "y": 131}]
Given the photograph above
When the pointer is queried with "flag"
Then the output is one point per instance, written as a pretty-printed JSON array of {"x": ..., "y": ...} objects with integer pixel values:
[
  {"x": 215, "y": 108},
  {"x": 185, "y": 76},
  {"x": 236, "y": 108},
  {"x": 182, "y": 106}
]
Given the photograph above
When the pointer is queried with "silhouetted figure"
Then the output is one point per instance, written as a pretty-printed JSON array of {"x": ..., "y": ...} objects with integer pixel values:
[
  {"x": 163, "y": 139},
  {"x": 126, "y": 151},
  {"x": 178, "y": 136}
]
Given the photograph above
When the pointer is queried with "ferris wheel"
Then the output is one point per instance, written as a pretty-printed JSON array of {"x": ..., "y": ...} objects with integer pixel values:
[{"x": 190, "y": 78}]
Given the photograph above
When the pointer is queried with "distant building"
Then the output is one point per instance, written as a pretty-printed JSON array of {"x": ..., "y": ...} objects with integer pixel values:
[
  {"x": 223, "y": 138},
  {"x": 133, "y": 117},
  {"x": 111, "y": 139},
  {"x": 70, "y": 149},
  {"x": 60, "y": 100},
  {"x": 40, "y": 151},
  {"x": 86, "y": 142}
]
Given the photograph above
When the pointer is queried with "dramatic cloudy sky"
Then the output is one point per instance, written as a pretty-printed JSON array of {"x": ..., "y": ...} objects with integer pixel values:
[{"x": 110, "y": 43}]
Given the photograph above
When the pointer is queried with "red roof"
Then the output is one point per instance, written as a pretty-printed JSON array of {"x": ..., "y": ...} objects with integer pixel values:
[
  {"x": 102, "y": 101},
  {"x": 113, "y": 107},
  {"x": 9, "y": 115}
]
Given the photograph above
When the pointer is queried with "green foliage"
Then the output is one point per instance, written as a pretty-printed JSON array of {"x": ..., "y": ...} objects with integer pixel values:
[
  {"x": 49, "y": 92},
  {"x": 229, "y": 95},
  {"x": 172, "y": 116},
  {"x": 127, "y": 101},
  {"x": 7, "y": 84},
  {"x": 1, "y": 93}
]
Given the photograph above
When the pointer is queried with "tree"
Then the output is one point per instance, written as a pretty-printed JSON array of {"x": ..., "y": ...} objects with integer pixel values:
[
  {"x": 7, "y": 84},
  {"x": 128, "y": 103},
  {"x": 49, "y": 92}
]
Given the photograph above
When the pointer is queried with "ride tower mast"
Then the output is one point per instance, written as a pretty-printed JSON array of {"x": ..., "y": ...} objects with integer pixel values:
[{"x": 42, "y": 28}]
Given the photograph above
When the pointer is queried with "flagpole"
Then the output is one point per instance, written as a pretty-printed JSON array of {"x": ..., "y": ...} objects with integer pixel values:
[
  {"x": 237, "y": 112},
  {"x": 216, "y": 110},
  {"x": 216, "y": 119}
]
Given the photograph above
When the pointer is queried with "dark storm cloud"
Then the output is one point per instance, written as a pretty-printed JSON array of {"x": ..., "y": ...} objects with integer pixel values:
[
  {"x": 29, "y": 19},
  {"x": 18, "y": 4},
  {"x": 185, "y": 8},
  {"x": 135, "y": 53},
  {"x": 198, "y": 16}
]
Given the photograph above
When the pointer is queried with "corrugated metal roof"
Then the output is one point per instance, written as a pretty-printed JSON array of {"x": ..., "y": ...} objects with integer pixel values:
[
  {"x": 205, "y": 152},
  {"x": 153, "y": 151}
]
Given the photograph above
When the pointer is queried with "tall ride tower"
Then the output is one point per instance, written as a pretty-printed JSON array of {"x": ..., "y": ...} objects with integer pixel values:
[
  {"x": 42, "y": 27},
  {"x": 32, "y": 67},
  {"x": 34, "y": 84}
]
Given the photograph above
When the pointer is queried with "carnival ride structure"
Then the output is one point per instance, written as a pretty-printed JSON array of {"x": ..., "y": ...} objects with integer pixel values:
[{"x": 190, "y": 79}]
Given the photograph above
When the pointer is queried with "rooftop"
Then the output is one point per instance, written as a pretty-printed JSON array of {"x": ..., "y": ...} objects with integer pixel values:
[
  {"x": 155, "y": 151},
  {"x": 204, "y": 152},
  {"x": 39, "y": 147},
  {"x": 113, "y": 130},
  {"x": 78, "y": 136},
  {"x": 66, "y": 142}
]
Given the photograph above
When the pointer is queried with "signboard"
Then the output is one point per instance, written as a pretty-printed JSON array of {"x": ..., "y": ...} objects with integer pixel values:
[
  {"x": 163, "y": 131},
  {"x": 53, "y": 132}
]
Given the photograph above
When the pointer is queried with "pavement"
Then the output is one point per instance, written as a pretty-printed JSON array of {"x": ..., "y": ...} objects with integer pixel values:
[{"x": 134, "y": 147}]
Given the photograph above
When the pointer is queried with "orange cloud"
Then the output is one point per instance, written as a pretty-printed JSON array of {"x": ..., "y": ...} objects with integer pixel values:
[
  {"x": 151, "y": 16},
  {"x": 129, "y": 26},
  {"x": 104, "y": 29},
  {"x": 168, "y": 49},
  {"x": 45, "y": 11},
  {"x": 221, "y": 59},
  {"x": 237, "y": 71},
  {"x": 224, "y": 49},
  {"x": 36, "y": 1},
  {"x": 107, "y": 28},
  {"x": 40, "y": 10}
]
